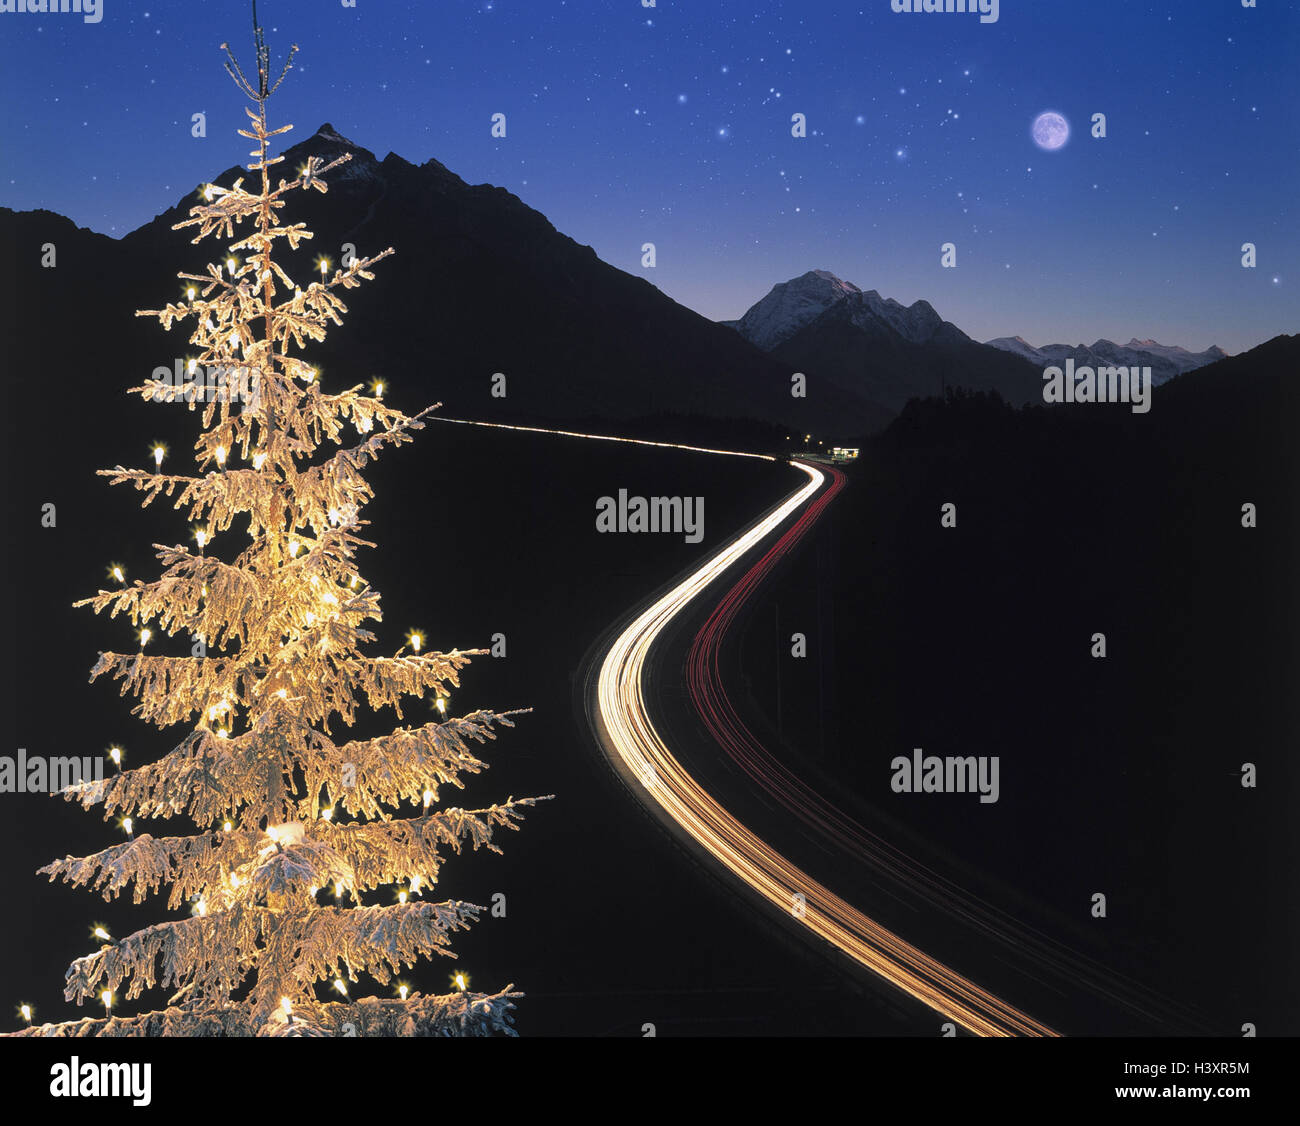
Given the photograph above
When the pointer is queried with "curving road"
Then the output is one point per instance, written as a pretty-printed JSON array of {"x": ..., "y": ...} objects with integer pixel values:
[
  {"x": 616, "y": 691},
  {"x": 630, "y": 739}
]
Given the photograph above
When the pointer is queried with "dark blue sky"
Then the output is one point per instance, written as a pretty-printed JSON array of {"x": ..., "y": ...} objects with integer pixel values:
[{"x": 672, "y": 125}]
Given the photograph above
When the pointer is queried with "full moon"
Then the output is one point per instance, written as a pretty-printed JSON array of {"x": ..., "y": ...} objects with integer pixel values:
[{"x": 1050, "y": 131}]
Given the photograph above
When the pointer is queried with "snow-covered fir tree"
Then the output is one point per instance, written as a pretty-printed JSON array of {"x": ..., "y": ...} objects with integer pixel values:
[{"x": 295, "y": 828}]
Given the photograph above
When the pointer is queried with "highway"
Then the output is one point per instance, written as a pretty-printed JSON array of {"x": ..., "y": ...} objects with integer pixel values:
[
  {"x": 629, "y": 737},
  {"x": 620, "y": 714},
  {"x": 619, "y": 711},
  {"x": 619, "y": 701},
  {"x": 856, "y": 846}
]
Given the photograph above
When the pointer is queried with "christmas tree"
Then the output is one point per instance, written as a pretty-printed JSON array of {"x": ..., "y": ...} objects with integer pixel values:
[{"x": 295, "y": 829}]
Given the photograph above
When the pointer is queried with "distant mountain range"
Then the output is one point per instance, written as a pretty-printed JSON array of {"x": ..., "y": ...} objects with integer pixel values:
[
  {"x": 1165, "y": 361},
  {"x": 481, "y": 283},
  {"x": 887, "y": 352},
  {"x": 875, "y": 348}
]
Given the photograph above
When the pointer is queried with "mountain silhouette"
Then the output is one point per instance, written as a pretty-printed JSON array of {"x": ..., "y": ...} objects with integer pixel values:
[
  {"x": 480, "y": 284},
  {"x": 877, "y": 349},
  {"x": 483, "y": 284}
]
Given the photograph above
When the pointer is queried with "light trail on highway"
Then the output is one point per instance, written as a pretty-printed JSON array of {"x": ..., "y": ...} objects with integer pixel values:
[
  {"x": 631, "y": 738},
  {"x": 708, "y": 692},
  {"x": 598, "y": 437}
]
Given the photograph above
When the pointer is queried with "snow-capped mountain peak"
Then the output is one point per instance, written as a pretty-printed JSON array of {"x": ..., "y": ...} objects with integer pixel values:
[
  {"x": 831, "y": 279},
  {"x": 917, "y": 322},
  {"x": 791, "y": 305},
  {"x": 328, "y": 143},
  {"x": 1018, "y": 345},
  {"x": 1165, "y": 360},
  {"x": 329, "y": 133}
]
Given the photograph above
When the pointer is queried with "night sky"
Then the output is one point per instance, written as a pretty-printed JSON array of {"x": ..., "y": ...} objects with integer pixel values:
[{"x": 672, "y": 125}]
